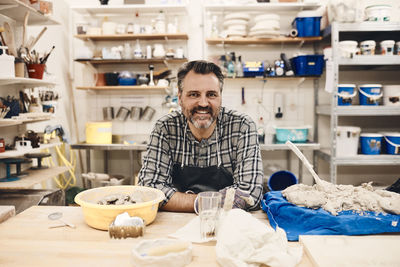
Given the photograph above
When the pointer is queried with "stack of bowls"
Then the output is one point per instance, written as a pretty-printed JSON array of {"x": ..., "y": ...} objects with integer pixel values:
[
  {"x": 235, "y": 24},
  {"x": 266, "y": 26}
]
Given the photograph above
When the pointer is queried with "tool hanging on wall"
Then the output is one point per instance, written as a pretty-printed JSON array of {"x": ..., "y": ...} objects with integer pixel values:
[
  {"x": 151, "y": 68},
  {"x": 243, "y": 98},
  {"x": 278, "y": 108}
]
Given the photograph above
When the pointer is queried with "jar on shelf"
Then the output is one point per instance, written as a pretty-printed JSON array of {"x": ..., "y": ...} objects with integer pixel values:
[
  {"x": 81, "y": 27},
  {"x": 159, "y": 51}
]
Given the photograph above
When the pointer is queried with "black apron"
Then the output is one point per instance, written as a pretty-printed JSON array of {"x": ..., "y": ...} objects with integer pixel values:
[
  {"x": 200, "y": 179},
  {"x": 197, "y": 179}
]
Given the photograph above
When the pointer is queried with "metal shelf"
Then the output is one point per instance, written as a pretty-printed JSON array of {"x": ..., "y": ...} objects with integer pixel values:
[
  {"x": 369, "y": 26},
  {"x": 132, "y": 61},
  {"x": 359, "y": 110},
  {"x": 127, "y": 9},
  {"x": 261, "y": 41},
  {"x": 121, "y": 37},
  {"x": 27, "y": 82},
  {"x": 15, "y": 10},
  {"x": 17, "y": 153},
  {"x": 376, "y": 60},
  {"x": 262, "y": 7},
  {"x": 283, "y": 147},
  {"x": 361, "y": 160},
  {"x": 121, "y": 87}
]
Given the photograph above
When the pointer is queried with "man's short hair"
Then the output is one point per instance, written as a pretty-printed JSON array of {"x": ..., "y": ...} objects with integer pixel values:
[{"x": 200, "y": 67}]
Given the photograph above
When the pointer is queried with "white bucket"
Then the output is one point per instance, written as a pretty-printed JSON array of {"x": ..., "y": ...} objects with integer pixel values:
[
  {"x": 378, "y": 12},
  {"x": 391, "y": 95},
  {"x": 387, "y": 47},
  {"x": 397, "y": 52},
  {"x": 347, "y": 141},
  {"x": 348, "y": 48},
  {"x": 367, "y": 47}
]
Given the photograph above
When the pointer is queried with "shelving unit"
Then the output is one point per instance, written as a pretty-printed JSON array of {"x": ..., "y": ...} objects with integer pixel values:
[
  {"x": 15, "y": 9},
  {"x": 133, "y": 61},
  {"x": 262, "y": 7},
  {"x": 134, "y": 88},
  {"x": 17, "y": 153},
  {"x": 127, "y": 37},
  {"x": 358, "y": 63},
  {"x": 261, "y": 41},
  {"x": 34, "y": 177},
  {"x": 127, "y": 9}
]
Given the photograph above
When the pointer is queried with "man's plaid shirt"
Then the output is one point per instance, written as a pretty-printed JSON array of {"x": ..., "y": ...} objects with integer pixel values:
[{"x": 238, "y": 148}]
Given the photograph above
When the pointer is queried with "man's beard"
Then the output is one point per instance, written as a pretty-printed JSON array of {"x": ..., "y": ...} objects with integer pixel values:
[{"x": 200, "y": 124}]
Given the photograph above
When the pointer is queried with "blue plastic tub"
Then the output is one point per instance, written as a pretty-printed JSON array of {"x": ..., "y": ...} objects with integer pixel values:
[
  {"x": 392, "y": 142},
  {"x": 371, "y": 143},
  {"x": 280, "y": 180},
  {"x": 308, "y": 26},
  {"x": 293, "y": 134},
  {"x": 346, "y": 92},
  {"x": 126, "y": 81},
  {"x": 370, "y": 94},
  {"x": 308, "y": 65}
]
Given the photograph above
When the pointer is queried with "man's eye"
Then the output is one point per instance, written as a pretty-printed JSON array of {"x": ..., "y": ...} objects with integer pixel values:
[
  {"x": 212, "y": 94},
  {"x": 193, "y": 94}
]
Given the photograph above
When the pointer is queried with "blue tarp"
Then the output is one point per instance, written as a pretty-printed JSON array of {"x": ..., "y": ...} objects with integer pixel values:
[{"x": 297, "y": 220}]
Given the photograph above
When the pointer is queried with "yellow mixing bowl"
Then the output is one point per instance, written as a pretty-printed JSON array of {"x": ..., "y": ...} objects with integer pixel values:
[{"x": 100, "y": 216}]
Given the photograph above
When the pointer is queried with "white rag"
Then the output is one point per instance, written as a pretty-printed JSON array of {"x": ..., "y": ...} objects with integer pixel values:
[{"x": 244, "y": 241}]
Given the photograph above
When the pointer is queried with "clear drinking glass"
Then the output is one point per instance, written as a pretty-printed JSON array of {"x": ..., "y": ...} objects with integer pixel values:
[{"x": 209, "y": 206}]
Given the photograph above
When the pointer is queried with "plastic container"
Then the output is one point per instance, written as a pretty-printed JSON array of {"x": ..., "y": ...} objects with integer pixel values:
[
  {"x": 371, "y": 143},
  {"x": 348, "y": 48},
  {"x": 370, "y": 94},
  {"x": 391, "y": 95},
  {"x": 99, "y": 132},
  {"x": 308, "y": 65},
  {"x": 347, "y": 141},
  {"x": 346, "y": 92},
  {"x": 7, "y": 69},
  {"x": 280, "y": 180},
  {"x": 253, "y": 69},
  {"x": 308, "y": 24},
  {"x": 101, "y": 216},
  {"x": 35, "y": 71},
  {"x": 294, "y": 134},
  {"x": 392, "y": 143},
  {"x": 387, "y": 47},
  {"x": 367, "y": 47},
  {"x": 397, "y": 48},
  {"x": 378, "y": 12}
]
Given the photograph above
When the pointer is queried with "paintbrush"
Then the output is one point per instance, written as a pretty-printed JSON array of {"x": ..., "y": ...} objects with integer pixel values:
[{"x": 44, "y": 58}]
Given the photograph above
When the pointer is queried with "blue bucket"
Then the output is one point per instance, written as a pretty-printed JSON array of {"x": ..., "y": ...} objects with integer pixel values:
[
  {"x": 371, "y": 143},
  {"x": 392, "y": 141},
  {"x": 370, "y": 94},
  {"x": 346, "y": 92},
  {"x": 280, "y": 180},
  {"x": 308, "y": 26}
]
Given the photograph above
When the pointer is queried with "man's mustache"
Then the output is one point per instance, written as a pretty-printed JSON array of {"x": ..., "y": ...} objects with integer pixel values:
[{"x": 196, "y": 109}]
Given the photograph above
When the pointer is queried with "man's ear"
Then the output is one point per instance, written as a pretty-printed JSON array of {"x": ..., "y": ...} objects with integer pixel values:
[{"x": 180, "y": 98}]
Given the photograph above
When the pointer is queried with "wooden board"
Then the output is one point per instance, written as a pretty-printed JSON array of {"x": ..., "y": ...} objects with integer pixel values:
[
  {"x": 34, "y": 177},
  {"x": 6, "y": 212},
  {"x": 371, "y": 250},
  {"x": 28, "y": 234}
]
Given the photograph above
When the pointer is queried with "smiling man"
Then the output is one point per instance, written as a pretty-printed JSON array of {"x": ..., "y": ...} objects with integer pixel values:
[{"x": 205, "y": 147}]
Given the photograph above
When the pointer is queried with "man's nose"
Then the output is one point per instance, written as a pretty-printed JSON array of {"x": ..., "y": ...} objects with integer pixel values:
[{"x": 203, "y": 101}]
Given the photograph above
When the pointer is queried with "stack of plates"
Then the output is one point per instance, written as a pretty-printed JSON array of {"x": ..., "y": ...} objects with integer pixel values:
[
  {"x": 235, "y": 24},
  {"x": 266, "y": 26}
]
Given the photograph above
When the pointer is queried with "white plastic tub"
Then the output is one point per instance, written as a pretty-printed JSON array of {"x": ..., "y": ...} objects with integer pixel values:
[
  {"x": 387, "y": 47},
  {"x": 348, "y": 48},
  {"x": 378, "y": 12},
  {"x": 367, "y": 47},
  {"x": 347, "y": 141},
  {"x": 391, "y": 95}
]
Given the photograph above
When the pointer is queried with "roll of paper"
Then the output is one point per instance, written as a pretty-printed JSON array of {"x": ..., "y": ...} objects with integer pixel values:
[{"x": 293, "y": 33}]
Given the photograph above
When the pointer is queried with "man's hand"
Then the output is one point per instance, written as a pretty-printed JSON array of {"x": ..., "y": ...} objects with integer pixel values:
[{"x": 241, "y": 198}]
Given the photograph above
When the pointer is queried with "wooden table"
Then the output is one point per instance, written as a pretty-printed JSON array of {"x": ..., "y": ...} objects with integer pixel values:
[{"x": 26, "y": 240}]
